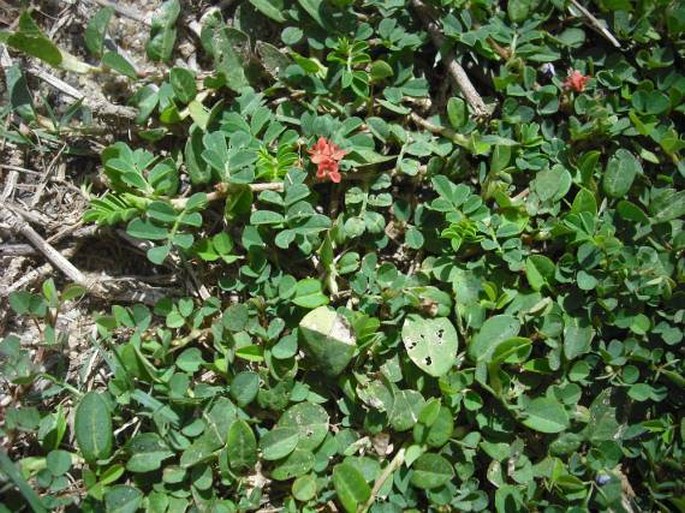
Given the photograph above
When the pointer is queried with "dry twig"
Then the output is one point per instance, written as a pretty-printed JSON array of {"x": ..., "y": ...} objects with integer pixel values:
[
  {"x": 456, "y": 70},
  {"x": 594, "y": 22}
]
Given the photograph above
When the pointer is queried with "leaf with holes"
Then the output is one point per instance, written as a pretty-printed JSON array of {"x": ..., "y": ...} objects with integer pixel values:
[{"x": 431, "y": 343}]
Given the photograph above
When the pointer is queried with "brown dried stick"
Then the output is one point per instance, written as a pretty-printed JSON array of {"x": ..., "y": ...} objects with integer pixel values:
[
  {"x": 594, "y": 22},
  {"x": 19, "y": 225},
  {"x": 456, "y": 70}
]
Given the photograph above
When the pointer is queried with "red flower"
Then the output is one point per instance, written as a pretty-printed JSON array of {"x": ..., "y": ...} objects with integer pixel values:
[
  {"x": 576, "y": 81},
  {"x": 326, "y": 156}
]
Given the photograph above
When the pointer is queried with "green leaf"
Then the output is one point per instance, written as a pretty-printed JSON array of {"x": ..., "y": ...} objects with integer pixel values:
[
  {"x": 123, "y": 499},
  {"x": 309, "y": 294},
  {"x": 620, "y": 173},
  {"x": 20, "y": 97},
  {"x": 24, "y": 302},
  {"x": 651, "y": 102},
  {"x": 241, "y": 446},
  {"x": 9, "y": 469},
  {"x": 96, "y": 29},
  {"x": 380, "y": 70},
  {"x": 552, "y": 183},
  {"x": 266, "y": 217},
  {"x": 442, "y": 428},
  {"x": 631, "y": 212},
  {"x": 163, "y": 31},
  {"x": 147, "y": 451},
  {"x": 298, "y": 463},
  {"x": 183, "y": 82},
  {"x": 58, "y": 462},
  {"x": 141, "y": 229},
  {"x": 430, "y": 343},
  {"x": 350, "y": 486},
  {"x": 539, "y": 271},
  {"x": 314, "y": 8},
  {"x": 513, "y": 350},
  {"x": 578, "y": 335},
  {"x": 244, "y": 387},
  {"x": 327, "y": 340},
  {"x": 667, "y": 206},
  {"x": 494, "y": 330},
  {"x": 271, "y": 8},
  {"x": 519, "y": 10},
  {"x": 431, "y": 471},
  {"x": 546, "y": 415},
  {"x": 158, "y": 254},
  {"x": 31, "y": 40},
  {"x": 311, "y": 420},
  {"x": 584, "y": 202},
  {"x": 279, "y": 442},
  {"x": 406, "y": 408},
  {"x": 93, "y": 427},
  {"x": 304, "y": 488},
  {"x": 229, "y": 59},
  {"x": 119, "y": 64},
  {"x": 457, "y": 112}
]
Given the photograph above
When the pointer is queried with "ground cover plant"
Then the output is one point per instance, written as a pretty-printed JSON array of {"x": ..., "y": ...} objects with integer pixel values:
[{"x": 337, "y": 255}]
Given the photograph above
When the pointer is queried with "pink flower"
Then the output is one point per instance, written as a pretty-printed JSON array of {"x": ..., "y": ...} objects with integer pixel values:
[
  {"x": 576, "y": 81},
  {"x": 326, "y": 156}
]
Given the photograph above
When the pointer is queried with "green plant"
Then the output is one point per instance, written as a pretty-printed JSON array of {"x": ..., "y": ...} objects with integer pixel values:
[{"x": 404, "y": 306}]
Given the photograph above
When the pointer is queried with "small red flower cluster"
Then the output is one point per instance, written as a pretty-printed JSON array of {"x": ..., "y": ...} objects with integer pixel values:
[
  {"x": 576, "y": 81},
  {"x": 326, "y": 156}
]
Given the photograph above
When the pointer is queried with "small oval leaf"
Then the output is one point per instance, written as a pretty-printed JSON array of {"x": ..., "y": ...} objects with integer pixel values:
[{"x": 93, "y": 427}]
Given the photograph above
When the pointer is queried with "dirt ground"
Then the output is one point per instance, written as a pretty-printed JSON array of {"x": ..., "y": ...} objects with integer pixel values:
[{"x": 45, "y": 184}]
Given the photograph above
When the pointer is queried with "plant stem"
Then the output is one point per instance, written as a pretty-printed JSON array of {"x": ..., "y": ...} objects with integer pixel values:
[{"x": 380, "y": 481}]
